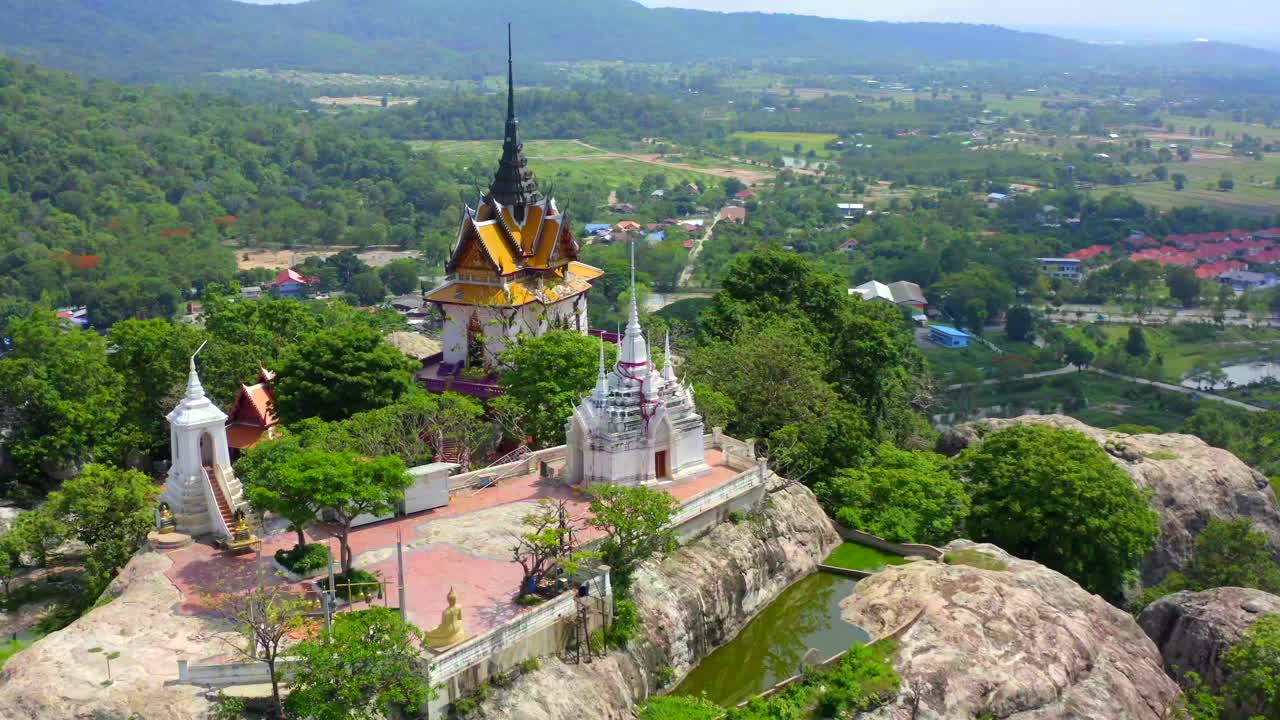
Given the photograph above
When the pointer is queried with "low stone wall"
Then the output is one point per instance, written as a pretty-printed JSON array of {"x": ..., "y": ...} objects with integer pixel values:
[
  {"x": 220, "y": 675},
  {"x": 928, "y": 552},
  {"x": 524, "y": 466}
]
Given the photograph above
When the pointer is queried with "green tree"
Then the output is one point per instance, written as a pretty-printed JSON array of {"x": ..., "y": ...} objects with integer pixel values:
[
  {"x": 1183, "y": 284},
  {"x": 152, "y": 358},
  {"x": 900, "y": 495},
  {"x": 1253, "y": 668},
  {"x": 368, "y": 288},
  {"x": 349, "y": 486},
  {"x": 1179, "y": 180},
  {"x": 368, "y": 666},
  {"x": 1232, "y": 553},
  {"x": 545, "y": 378},
  {"x": 265, "y": 616},
  {"x": 400, "y": 276},
  {"x": 338, "y": 372},
  {"x": 279, "y": 476},
  {"x": 1078, "y": 354},
  {"x": 64, "y": 397},
  {"x": 111, "y": 511},
  {"x": 636, "y": 525},
  {"x": 1054, "y": 496},
  {"x": 1020, "y": 324},
  {"x": 1136, "y": 343},
  {"x": 837, "y": 436},
  {"x": 543, "y": 546},
  {"x": 37, "y": 533}
]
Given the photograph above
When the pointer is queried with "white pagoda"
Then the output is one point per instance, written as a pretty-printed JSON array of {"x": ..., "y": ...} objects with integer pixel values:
[
  {"x": 638, "y": 426},
  {"x": 201, "y": 491}
]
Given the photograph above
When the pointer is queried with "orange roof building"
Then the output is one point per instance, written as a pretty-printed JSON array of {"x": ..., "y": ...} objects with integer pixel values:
[
  {"x": 253, "y": 415},
  {"x": 514, "y": 267}
]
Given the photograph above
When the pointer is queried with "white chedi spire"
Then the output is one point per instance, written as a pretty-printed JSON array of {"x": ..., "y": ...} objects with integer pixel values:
[
  {"x": 668, "y": 369},
  {"x": 195, "y": 391},
  {"x": 602, "y": 382},
  {"x": 635, "y": 353}
]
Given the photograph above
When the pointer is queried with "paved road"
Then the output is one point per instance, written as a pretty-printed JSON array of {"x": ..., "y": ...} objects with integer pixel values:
[
  {"x": 1129, "y": 378},
  {"x": 1073, "y": 313}
]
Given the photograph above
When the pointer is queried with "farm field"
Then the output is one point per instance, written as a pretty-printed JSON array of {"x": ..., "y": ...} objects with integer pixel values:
[
  {"x": 1183, "y": 349},
  {"x": 785, "y": 141},
  {"x": 1222, "y": 126},
  {"x": 574, "y": 160},
  {"x": 1255, "y": 192}
]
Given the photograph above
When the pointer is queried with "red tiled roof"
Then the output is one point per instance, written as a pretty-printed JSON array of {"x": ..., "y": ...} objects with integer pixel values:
[
  {"x": 1213, "y": 270},
  {"x": 1089, "y": 253}
]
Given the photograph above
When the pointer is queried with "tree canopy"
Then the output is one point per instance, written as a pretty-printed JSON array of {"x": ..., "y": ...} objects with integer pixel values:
[
  {"x": 1053, "y": 496},
  {"x": 545, "y": 378},
  {"x": 338, "y": 372}
]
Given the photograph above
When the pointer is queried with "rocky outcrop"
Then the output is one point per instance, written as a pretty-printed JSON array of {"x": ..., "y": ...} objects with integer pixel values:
[
  {"x": 57, "y": 678},
  {"x": 1191, "y": 483},
  {"x": 689, "y": 604},
  {"x": 1020, "y": 643},
  {"x": 1194, "y": 630}
]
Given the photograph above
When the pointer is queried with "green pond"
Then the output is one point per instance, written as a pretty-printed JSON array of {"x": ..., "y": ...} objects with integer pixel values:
[
  {"x": 861, "y": 557},
  {"x": 770, "y": 648}
]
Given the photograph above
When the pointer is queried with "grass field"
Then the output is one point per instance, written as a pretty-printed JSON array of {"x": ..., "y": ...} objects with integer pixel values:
[
  {"x": 1254, "y": 194},
  {"x": 1222, "y": 127},
  {"x": 785, "y": 142},
  {"x": 489, "y": 150},
  {"x": 1219, "y": 347}
]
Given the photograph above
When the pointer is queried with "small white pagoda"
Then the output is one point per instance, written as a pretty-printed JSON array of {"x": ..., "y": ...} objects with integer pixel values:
[
  {"x": 201, "y": 491},
  {"x": 638, "y": 426}
]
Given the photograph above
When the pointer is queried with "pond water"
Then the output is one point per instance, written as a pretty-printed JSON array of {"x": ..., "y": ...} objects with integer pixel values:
[
  {"x": 1242, "y": 374},
  {"x": 771, "y": 647},
  {"x": 855, "y": 556}
]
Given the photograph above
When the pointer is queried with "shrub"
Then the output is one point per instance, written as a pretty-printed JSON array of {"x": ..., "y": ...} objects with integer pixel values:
[
  {"x": 666, "y": 674},
  {"x": 623, "y": 627},
  {"x": 737, "y": 517},
  {"x": 529, "y": 665},
  {"x": 679, "y": 707},
  {"x": 529, "y": 600},
  {"x": 303, "y": 559},
  {"x": 357, "y": 585}
]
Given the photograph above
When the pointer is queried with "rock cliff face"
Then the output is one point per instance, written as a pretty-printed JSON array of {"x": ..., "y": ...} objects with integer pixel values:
[
  {"x": 1190, "y": 481},
  {"x": 1021, "y": 643},
  {"x": 688, "y": 604},
  {"x": 57, "y": 678},
  {"x": 1193, "y": 630}
]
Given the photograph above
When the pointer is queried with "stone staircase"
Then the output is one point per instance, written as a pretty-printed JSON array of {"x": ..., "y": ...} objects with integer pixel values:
[{"x": 224, "y": 506}]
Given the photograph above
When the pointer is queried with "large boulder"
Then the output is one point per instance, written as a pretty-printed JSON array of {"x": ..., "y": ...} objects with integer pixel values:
[
  {"x": 57, "y": 678},
  {"x": 1021, "y": 642},
  {"x": 1194, "y": 630},
  {"x": 688, "y": 605},
  {"x": 1190, "y": 481}
]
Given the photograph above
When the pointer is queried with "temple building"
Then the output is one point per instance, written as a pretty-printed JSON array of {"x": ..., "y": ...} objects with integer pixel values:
[
  {"x": 201, "y": 490},
  {"x": 253, "y": 415},
  {"x": 638, "y": 426},
  {"x": 514, "y": 267}
]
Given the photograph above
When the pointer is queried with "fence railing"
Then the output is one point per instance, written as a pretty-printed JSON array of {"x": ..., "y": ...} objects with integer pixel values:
[
  {"x": 524, "y": 465},
  {"x": 482, "y": 647},
  {"x": 740, "y": 485}
]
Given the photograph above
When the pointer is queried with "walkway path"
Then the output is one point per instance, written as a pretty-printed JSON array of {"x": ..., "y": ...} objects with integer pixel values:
[
  {"x": 1128, "y": 378},
  {"x": 687, "y": 273},
  {"x": 1080, "y": 313}
]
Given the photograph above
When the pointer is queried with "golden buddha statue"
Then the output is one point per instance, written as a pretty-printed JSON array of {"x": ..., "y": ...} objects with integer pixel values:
[
  {"x": 450, "y": 630},
  {"x": 167, "y": 522}
]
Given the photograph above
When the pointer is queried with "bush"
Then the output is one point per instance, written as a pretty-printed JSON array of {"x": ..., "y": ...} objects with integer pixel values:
[
  {"x": 302, "y": 559},
  {"x": 679, "y": 707},
  {"x": 529, "y": 600},
  {"x": 357, "y": 585},
  {"x": 529, "y": 665},
  {"x": 623, "y": 627},
  {"x": 863, "y": 680},
  {"x": 666, "y": 674},
  {"x": 737, "y": 517}
]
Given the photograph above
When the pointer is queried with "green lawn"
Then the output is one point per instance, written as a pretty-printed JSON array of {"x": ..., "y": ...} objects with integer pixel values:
[
  {"x": 853, "y": 556},
  {"x": 785, "y": 141},
  {"x": 1182, "y": 350},
  {"x": 1222, "y": 127}
]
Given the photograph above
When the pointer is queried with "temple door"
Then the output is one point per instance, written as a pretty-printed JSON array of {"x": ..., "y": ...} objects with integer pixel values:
[{"x": 660, "y": 464}]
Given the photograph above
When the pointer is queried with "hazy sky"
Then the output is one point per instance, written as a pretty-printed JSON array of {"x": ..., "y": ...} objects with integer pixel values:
[{"x": 1245, "y": 21}]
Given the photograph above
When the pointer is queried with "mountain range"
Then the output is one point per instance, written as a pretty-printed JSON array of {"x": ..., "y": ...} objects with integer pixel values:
[{"x": 155, "y": 39}]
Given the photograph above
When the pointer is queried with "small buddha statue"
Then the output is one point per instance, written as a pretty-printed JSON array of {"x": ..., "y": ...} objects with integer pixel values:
[
  {"x": 241, "y": 532},
  {"x": 450, "y": 630},
  {"x": 167, "y": 523}
]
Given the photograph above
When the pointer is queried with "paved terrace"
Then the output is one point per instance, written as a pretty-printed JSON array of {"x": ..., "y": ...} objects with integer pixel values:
[{"x": 465, "y": 545}]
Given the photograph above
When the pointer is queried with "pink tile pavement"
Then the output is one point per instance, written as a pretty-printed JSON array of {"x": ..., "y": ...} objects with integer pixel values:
[{"x": 486, "y": 586}]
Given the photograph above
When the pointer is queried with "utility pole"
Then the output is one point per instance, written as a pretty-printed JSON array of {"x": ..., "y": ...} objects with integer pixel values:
[{"x": 404, "y": 613}]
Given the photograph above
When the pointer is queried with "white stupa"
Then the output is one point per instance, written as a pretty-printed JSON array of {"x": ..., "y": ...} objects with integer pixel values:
[
  {"x": 201, "y": 490},
  {"x": 639, "y": 425}
]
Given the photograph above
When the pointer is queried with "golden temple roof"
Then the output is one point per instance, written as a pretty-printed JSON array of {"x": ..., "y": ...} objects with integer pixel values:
[{"x": 567, "y": 282}]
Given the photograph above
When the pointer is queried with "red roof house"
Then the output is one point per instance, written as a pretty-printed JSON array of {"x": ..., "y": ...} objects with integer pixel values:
[
  {"x": 1089, "y": 253},
  {"x": 1213, "y": 270}
]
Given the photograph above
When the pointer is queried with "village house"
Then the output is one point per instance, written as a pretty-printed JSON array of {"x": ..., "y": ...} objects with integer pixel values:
[
  {"x": 1065, "y": 268},
  {"x": 733, "y": 213},
  {"x": 292, "y": 284}
]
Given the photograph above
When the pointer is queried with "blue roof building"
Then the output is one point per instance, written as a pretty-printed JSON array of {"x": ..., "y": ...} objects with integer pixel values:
[
  {"x": 656, "y": 237},
  {"x": 597, "y": 228},
  {"x": 947, "y": 336}
]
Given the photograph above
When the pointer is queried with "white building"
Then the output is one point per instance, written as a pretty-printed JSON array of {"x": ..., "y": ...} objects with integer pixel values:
[
  {"x": 638, "y": 426},
  {"x": 201, "y": 490}
]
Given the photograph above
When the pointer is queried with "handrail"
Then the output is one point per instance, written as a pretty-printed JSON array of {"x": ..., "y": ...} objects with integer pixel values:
[{"x": 219, "y": 525}]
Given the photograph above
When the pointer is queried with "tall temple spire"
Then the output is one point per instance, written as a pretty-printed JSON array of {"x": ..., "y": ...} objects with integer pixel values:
[
  {"x": 514, "y": 183},
  {"x": 634, "y": 350},
  {"x": 602, "y": 382},
  {"x": 195, "y": 391},
  {"x": 668, "y": 369}
]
